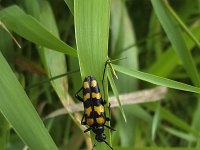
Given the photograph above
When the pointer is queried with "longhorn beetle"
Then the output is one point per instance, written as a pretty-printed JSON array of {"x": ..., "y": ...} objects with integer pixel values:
[{"x": 94, "y": 108}]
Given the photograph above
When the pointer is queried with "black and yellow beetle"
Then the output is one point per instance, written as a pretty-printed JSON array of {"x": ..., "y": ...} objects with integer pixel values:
[{"x": 94, "y": 108}]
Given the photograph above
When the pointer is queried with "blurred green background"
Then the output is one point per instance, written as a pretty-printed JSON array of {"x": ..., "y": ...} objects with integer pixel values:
[{"x": 144, "y": 31}]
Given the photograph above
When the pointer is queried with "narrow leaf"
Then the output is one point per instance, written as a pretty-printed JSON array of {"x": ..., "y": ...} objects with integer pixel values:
[
  {"x": 155, "y": 122},
  {"x": 51, "y": 58},
  {"x": 92, "y": 20},
  {"x": 161, "y": 68},
  {"x": 92, "y": 26},
  {"x": 114, "y": 88},
  {"x": 174, "y": 120},
  {"x": 176, "y": 38},
  {"x": 121, "y": 24},
  {"x": 4, "y": 132},
  {"x": 29, "y": 28},
  {"x": 180, "y": 134},
  {"x": 70, "y": 4},
  {"x": 157, "y": 80},
  {"x": 181, "y": 23},
  {"x": 20, "y": 113}
]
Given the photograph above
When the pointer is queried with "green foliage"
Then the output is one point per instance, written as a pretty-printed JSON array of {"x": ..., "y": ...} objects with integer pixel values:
[
  {"x": 160, "y": 40},
  {"x": 27, "y": 27},
  {"x": 91, "y": 20},
  {"x": 18, "y": 110}
]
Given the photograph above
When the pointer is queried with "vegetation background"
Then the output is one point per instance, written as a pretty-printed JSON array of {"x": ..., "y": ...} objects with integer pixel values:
[{"x": 158, "y": 37}]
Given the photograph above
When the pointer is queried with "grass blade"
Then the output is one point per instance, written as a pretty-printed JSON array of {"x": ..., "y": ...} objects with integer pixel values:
[
  {"x": 174, "y": 120},
  {"x": 182, "y": 25},
  {"x": 155, "y": 123},
  {"x": 92, "y": 20},
  {"x": 178, "y": 43},
  {"x": 180, "y": 134},
  {"x": 121, "y": 25},
  {"x": 20, "y": 113},
  {"x": 51, "y": 58},
  {"x": 29, "y": 28},
  {"x": 157, "y": 80},
  {"x": 161, "y": 68},
  {"x": 4, "y": 127},
  {"x": 114, "y": 88},
  {"x": 70, "y": 4},
  {"x": 91, "y": 26}
]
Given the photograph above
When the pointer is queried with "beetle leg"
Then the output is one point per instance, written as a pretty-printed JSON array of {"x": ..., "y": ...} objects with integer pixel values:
[
  {"x": 104, "y": 72},
  {"x": 77, "y": 96},
  {"x": 108, "y": 118},
  {"x": 87, "y": 129},
  {"x": 109, "y": 109},
  {"x": 94, "y": 145},
  {"x": 83, "y": 122},
  {"x": 109, "y": 127},
  {"x": 107, "y": 144}
]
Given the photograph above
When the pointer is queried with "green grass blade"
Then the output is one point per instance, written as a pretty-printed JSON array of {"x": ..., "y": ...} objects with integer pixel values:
[
  {"x": 4, "y": 132},
  {"x": 32, "y": 7},
  {"x": 114, "y": 88},
  {"x": 155, "y": 42},
  {"x": 121, "y": 25},
  {"x": 70, "y": 4},
  {"x": 6, "y": 44},
  {"x": 176, "y": 38},
  {"x": 181, "y": 23},
  {"x": 170, "y": 117},
  {"x": 91, "y": 27},
  {"x": 161, "y": 68},
  {"x": 51, "y": 58},
  {"x": 20, "y": 113},
  {"x": 180, "y": 134},
  {"x": 29, "y": 28},
  {"x": 157, "y": 80},
  {"x": 174, "y": 120},
  {"x": 155, "y": 123},
  {"x": 92, "y": 20}
]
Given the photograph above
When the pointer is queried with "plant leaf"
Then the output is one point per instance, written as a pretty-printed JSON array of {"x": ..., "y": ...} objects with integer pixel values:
[
  {"x": 92, "y": 20},
  {"x": 155, "y": 121},
  {"x": 29, "y": 28},
  {"x": 176, "y": 38},
  {"x": 20, "y": 113},
  {"x": 114, "y": 88},
  {"x": 91, "y": 26},
  {"x": 161, "y": 68},
  {"x": 121, "y": 25},
  {"x": 70, "y": 4},
  {"x": 157, "y": 80}
]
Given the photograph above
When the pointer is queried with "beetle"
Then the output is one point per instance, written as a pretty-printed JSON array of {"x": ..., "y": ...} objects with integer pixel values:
[{"x": 94, "y": 108}]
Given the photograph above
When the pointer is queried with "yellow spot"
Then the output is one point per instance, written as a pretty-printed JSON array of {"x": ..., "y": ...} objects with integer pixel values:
[
  {"x": 86, "y": 96},
  {"x": 85, "y": 85},
  {"x": 99, "y": 109},
  {"x": 100, "y": 120},
  {"x": 96, "y": 95},
  {"x": 88, "y": 111},
  {"x": 90, "y": 121},
  {"x": 93, "y": 83}
]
